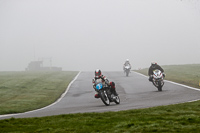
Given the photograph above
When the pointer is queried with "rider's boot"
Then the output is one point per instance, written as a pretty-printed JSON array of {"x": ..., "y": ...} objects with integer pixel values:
[{"x": 113, "y": 89}]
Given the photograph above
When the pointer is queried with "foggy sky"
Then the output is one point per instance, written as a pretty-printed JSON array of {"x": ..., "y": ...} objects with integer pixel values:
[{"x": 90, "y": 34}]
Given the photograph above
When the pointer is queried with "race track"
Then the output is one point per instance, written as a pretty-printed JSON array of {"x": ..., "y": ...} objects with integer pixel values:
[{"x": 134, "y": 91}]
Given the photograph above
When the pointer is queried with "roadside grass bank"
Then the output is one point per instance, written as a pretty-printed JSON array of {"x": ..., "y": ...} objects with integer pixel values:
[
  {"x": 25, "y": 91},
  {"x": 172, "y": 118},
  {"x": 184, "y": 74}
]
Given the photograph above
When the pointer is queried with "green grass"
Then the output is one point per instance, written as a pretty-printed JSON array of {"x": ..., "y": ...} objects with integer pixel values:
[
  {"x": 184, "y": 74},
  {"x": 182, "y": 118},
  {"x": 25, "y": 91},
  {"x": 173, "y": 118}
]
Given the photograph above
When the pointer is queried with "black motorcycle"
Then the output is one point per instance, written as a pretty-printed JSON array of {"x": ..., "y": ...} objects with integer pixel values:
[{"x": 106, "y": 95}]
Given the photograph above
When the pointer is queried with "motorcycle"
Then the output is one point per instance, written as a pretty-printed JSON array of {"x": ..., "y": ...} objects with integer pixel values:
[
  {"x": 158, "y": 79},
  {"x": 106, "y": 94},
  {"x": 127, "y": 70}
]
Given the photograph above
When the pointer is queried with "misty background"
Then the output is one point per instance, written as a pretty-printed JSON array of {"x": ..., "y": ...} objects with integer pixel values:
[{"x": 89, "y": 34}]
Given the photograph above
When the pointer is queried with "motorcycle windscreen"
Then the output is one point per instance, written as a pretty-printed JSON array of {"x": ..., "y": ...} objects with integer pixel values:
[
  {"x": 156, "y": 71},
  {"x": 98, "y": 81}
]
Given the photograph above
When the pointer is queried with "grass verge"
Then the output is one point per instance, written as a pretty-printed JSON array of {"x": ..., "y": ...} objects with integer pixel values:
[
  {"x": 25, "y": 91},
  {"x": 184, "y": 74},
  {"x": 173, "y": 118}
]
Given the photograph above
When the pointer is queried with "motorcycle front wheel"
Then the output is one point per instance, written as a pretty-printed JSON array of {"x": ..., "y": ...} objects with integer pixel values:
[
  {"x": 104, "y": 98},
  {"x": 159, "y": 86},
  {"x": 127, "y": 73}
]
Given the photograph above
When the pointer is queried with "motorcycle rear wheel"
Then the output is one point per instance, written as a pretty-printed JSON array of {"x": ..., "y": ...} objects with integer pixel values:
[{"x": 117, "y": 100}]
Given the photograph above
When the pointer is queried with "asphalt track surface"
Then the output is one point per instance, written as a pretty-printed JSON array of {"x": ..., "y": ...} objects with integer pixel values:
[{"x": 135, "y": 91}]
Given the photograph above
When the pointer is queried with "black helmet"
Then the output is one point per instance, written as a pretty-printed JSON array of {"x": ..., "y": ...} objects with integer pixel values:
[
  {"x": 97, "y": 73},
  {"x": 153, "y": 64}
]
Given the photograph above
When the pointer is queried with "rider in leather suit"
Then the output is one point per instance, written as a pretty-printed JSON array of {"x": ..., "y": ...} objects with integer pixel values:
[
  {"x": 153, "y": 67},
  {"x": 111, "y": 85}
]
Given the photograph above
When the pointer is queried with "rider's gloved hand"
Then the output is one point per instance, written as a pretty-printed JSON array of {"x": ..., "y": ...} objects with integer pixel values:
[
  {"x": 150, "y": 78},
  {"x": 163, "y": 74}
]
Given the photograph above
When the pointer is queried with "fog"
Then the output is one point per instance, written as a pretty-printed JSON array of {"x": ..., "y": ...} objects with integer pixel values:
[{"x": 89, "y": 34}]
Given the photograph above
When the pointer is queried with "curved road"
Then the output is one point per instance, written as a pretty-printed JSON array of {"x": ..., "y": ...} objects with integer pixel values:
[{"x": 135, "y": 92}]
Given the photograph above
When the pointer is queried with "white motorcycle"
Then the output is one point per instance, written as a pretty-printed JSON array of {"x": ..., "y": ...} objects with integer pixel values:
[
  {"x": 127, "y": 70},
  {"x": 157, "y": 79}
]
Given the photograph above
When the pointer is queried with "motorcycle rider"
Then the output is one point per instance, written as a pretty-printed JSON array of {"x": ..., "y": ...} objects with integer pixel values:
[
  {"x": 127, "y": 63},
  {"x": 111, "y": 85},
  {"x": 153, "y": 67}
]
